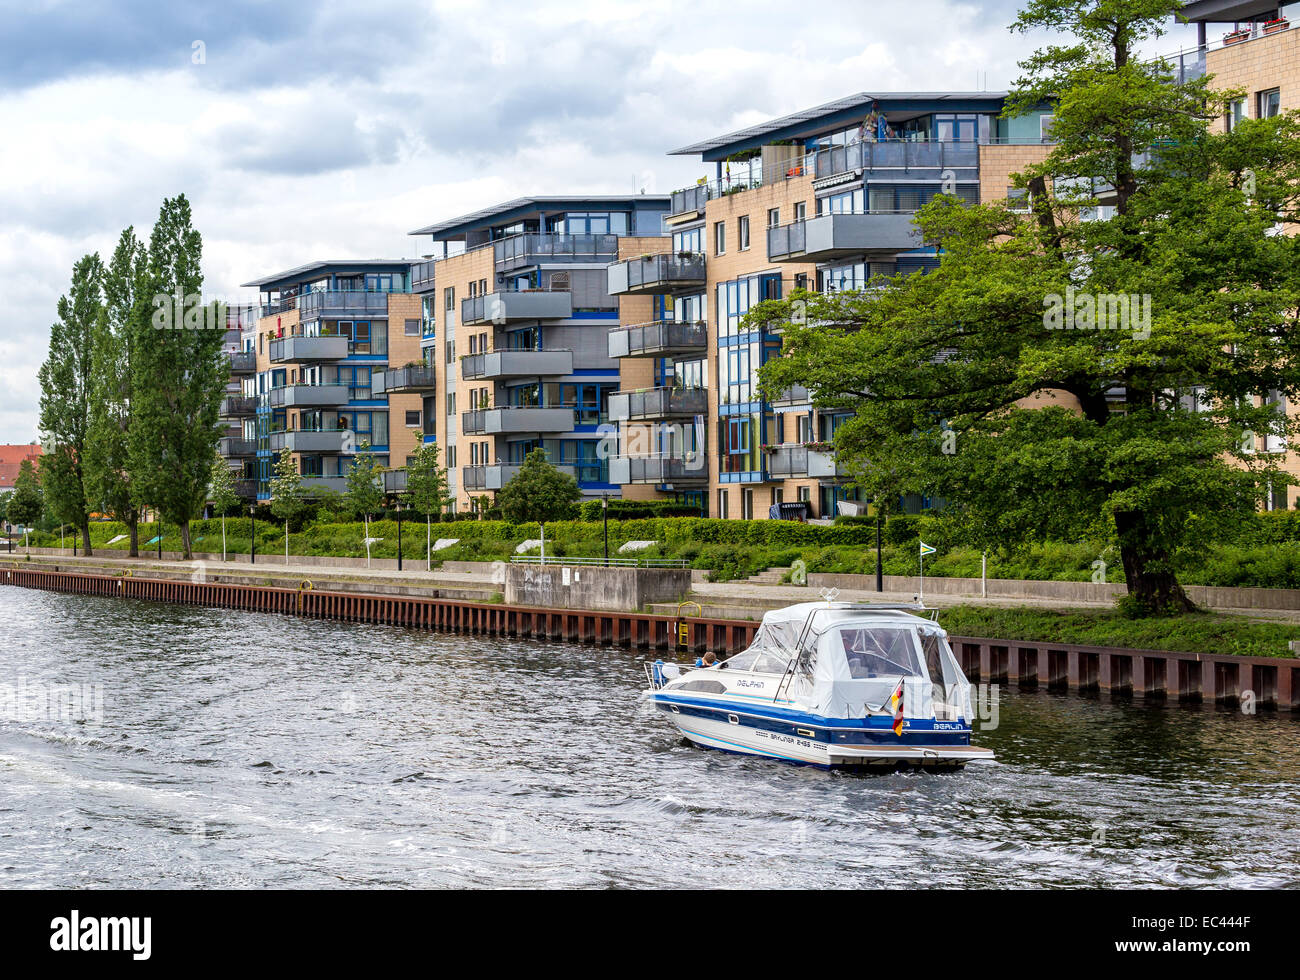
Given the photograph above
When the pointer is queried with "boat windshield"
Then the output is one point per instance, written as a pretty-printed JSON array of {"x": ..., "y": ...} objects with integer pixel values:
[
  {"x": 759, "y": 661},
  {"x": 878, "y": 651}
]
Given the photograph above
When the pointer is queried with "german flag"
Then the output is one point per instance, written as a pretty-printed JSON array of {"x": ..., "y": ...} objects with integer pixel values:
[{"x": 898, "y": 708}]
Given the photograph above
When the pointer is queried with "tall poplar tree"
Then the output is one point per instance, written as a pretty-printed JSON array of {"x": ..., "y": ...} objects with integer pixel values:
[
  {"x": 111, "y": 486},
  {"x": 66, "y": 397},
  {"x": 180, "y": 375}
]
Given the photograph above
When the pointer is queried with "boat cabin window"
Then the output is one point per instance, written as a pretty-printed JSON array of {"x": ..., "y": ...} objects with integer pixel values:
[
  {"x": 880, "y": 652},
  {"x": 759, "y": 661},
  {"x": 933, "y": 663}
]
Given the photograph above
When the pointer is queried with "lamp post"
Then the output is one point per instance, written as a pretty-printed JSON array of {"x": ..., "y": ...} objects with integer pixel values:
[
  {"x": 604, "y": 513},
  {"x": 252, "y": 537},
  {"x": 160, "y": 531},
  {"x": 399, "y": 537}
]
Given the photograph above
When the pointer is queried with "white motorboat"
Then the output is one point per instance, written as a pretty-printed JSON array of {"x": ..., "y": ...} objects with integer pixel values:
[{"x": 830, "y": 684}]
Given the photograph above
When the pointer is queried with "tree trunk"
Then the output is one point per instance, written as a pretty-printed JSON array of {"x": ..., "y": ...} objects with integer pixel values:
[
  {"x": 1148, "y": 570},
  {"x": 428, "y": 543},
  {"x": 133, "y": 529},
  {"x": 185, "y": 542},
  {"x": 223, "y": 537},
  {"x": 85, "y": 537}
]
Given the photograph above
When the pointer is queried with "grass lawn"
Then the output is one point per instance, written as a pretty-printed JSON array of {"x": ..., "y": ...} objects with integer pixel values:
[{"x": 1195, "y": 633}]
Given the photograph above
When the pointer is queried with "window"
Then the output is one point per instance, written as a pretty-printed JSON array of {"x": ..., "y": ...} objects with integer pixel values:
[
  {"x": 1269, "y": 104},
  {"x": 747, "y": 504},
  {"x": 1018, "y": 199},
  {"x": 412, "y": 328},
  {"x": 719, "y": 238},
  {"x": 451, "y": 351},
  {"x": 800, "y": 211},
  {"x": 723, "y": 509},
  {"x": 451, "y": 403},
  {"x": 449, "y": 298},
  {"x": 1045, "y": 124},
  {"x": 742, "y": 233},
  {"x": 413, "y": 418},
  {"x": 773, "y": 217},
  {"x": 1236, "y": 113}
]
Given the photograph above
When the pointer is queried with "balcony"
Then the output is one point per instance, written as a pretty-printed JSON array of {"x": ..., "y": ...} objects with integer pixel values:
[
  {"x": 235, "y": 447},
  {"x": 395, "y": 481},
  {"x": 660, "y": 338},
  {"x": 246, "y": 489},
  {"x": 405, "y": 380},
  {"x": 335, "y": 484},
  {"x": 833, "y": 236},
  {"x": 657, "y": 403},
  {"x": 237, "y": 406},
  {"x": 243, "y": 362},
  {"x": 504, "y": 421},
  {"x": 792, "y": 399},
  {"x": 689, "y": 200},
  {"x": 658, "y": 469},
  {"x": 332, "y": 303},
  {"x": 315, "y": 441},
  {"x": 422, "y": 276},
  {"x": 891, "y": 157},
  {"x": 496, "y": 476},
  {"x": 522, "y": 251},
  {"x": 516, "y": 364},
  {"x": 302, "y": 350},
  {"x": 654, "y": 274},
  {"x": 822, "y": 465},
  {"x": 511, "y": 305},
  {"x": 309, "y": 396},
  {"x": 787, "y": 461}
]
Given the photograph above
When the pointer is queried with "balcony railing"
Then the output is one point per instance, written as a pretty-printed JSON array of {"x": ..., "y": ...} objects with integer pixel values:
[
  {"x": 342, "y": 303},
  {"x": 659, "y": 338},
  {"x": 658, "y": 403},
  {"x": 234, "y": 447},
  {"x": 494, "y": 476},
  {"x": 237, "y": 406},
  {"x": 658, "y": 469},
  {"x": 412, "y": 378},
  {"x": 517, "y": 364},
  {"x": 422, "y": 275},
  {"x": 520, "y": 251},
  {"x": 246, "y": 489},
  {"x": 830, "y": 236},
  {"x": 243, "y": 362},
  {"x": 395, "y": 481},
  {"x": 309, "y": 396},
  {"x": 509, "y": 305},
  {"x": 653, "y": 274},
  {"x": 336, "y": 484},
  {"x": 787, "y": 461},
  {"x": 493, "y": 421},
  {"x": 294, "y": 350},
  {"x": 795, "y": 395},
  {"x": 316, "y": 441},
  {"x": 896, "y": 155}
]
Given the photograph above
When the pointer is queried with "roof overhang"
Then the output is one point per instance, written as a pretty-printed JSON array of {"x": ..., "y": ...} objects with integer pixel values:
[
  {"x": 1229, "y": 11},
  {"x": 521, "y": 207},
  {"x": 343, "y": 266}
]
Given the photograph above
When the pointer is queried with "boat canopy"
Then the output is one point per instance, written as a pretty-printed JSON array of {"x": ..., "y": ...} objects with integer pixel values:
[{"x": 852, "y": 657}]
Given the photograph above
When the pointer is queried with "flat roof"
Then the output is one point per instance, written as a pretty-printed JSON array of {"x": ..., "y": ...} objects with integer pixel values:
[
  {"x": 303, "y": 271},
  {"x": 807, "y": 121},
  {"x": 1228, "y": 11},
  {"x": 507, "y": 209}
]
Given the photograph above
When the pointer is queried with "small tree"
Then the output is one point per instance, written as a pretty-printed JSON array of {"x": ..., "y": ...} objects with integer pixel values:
[
  {"x": 288, "y": 499},
  {"x": 539, "y": 492},
  {"x": 364, "y": 492},
  {"x": 426, "y": 489},
  {"x": 27, "y": 502},
  {"x": 224, "y": 499}
]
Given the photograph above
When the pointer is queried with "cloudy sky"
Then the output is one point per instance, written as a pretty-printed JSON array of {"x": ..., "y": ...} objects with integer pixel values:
[{"x": 302, "y": 131}]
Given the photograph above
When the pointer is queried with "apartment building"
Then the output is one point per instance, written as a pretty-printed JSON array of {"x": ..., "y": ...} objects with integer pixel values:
[
  {"x": 312, "y": 373},
  {"x": 821, "y": 200},
  {"x": 516, "y": 310}
]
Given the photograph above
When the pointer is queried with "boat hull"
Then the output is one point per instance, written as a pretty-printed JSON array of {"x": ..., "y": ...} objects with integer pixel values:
[{"x": 789, "y": 738}]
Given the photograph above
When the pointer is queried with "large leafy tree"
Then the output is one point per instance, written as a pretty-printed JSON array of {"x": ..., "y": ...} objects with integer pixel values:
[
  {"x": 110, "y": 480},
  {"x": 426, "y": 488},
  {"x": 539, "y": 492},
  {"x": 288, "y": 497},
  {"x": 179, "y": 373},
  {"x": 26, "y": 503},
  {"x": 960, "y": 382},
  {"x": 66, "y": 397},
  {"x": 364, "y": 492}
]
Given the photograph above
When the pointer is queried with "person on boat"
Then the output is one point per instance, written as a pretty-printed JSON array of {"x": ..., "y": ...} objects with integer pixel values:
[{"x": 710, "y": 659}]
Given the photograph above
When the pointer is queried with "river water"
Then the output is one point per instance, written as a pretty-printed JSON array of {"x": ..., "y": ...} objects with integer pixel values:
[{"x": 212, "y": 748}]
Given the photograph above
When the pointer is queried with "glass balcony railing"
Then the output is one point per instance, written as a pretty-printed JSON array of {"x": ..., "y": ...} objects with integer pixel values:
[
  {"x": 494, "y": 421},
  {"x": 309, "y": 396},
  {"x": 831, "y": 236},
  {"x": 422, "y": 276},
  {"x": 243, "y": 362},
  {"x": 342, "y": 303},
  {"x": 659, "y": 338},
  {"x": 494, "y": 476},
  {"x": 896, "y": 155},
  {"x": 516, "y": 364},
  {"x": 315, "y": 441},
  {"x": 233, "y": 447},
  {"x": 659, "y": 469},
  {"x": 652, "y": 274},
  {"x": 237, "y": 406},
  {"x": 514, "y": 305},
  {"x": 295, "y": 350},
  {"x": 412, "y": 378},
  {"x": 520, "y": 251},
  {"x": 787, "y": 461},
  {"x": 658, "y": 403}
]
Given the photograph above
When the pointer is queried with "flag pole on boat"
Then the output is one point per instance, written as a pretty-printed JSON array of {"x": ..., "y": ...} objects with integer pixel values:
[{"x": 925, "y": 550}]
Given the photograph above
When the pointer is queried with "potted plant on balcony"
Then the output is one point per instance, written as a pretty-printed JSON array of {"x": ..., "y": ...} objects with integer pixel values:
[
  {"x": 1236, "y": 37},
  {"x": 1278, "y": 24}
]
